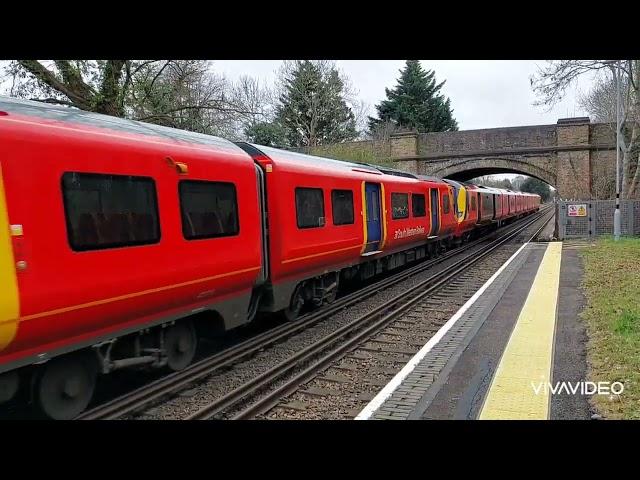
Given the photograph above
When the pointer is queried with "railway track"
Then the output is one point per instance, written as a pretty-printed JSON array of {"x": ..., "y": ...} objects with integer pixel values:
[
  {"x": 341, "y": 388},
  {"x": 155, "y": 391},
  {"x": 353, "y": 334}
]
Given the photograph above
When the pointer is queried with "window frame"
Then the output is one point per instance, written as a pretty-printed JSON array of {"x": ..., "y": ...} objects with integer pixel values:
[
  {"x": 446, "y": 207},
  {"x": 424, "y": 205},
  {"x": 155, "y": 211},
  {"x": 393, "y": 213},
  {"x": 295, "y": 198},
  {"x": 182, "y": 213},
  {"x": 333, "y": 210}
]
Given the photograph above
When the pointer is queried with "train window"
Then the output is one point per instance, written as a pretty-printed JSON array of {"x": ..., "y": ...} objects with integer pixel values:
[
  {"x": 108, "y": 211},
  {"x": 309, "y": 207},
  {"x": 473, "y": 203},
  {"x": 400, "y": 205},
  {"x": 342, "y": 206},
  {"x": 208, "y": 209},
  {"x": 418, "y": 205},
  {"x": 445, "y": 203}
]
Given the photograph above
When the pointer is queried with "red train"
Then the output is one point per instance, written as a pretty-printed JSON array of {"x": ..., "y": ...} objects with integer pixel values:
[{"x": 122, "y": 242}]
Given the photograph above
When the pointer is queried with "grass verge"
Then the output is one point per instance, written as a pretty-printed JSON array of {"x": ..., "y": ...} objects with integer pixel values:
[{"x": 612, "y": 288}]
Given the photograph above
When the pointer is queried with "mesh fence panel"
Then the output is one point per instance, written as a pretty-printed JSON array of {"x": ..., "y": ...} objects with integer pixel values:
[{"x": 597, "y": 219}]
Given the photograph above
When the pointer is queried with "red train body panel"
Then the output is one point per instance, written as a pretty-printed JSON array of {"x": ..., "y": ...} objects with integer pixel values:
[{"x": 87, "y": 294}]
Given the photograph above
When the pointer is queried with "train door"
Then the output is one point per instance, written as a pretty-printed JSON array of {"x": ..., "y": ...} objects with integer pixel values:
[
  {"x": 373, "y": 216},
  {"x": 495, "y": 207},
  {"x": 435, "y": 212}
]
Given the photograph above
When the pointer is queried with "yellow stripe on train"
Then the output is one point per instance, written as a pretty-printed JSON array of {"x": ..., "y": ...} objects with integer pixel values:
[{"x": 9, "y": 299}]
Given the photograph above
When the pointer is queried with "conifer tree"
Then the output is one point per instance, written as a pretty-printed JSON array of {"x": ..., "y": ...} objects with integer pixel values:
[{"x": 415, "y": 103}]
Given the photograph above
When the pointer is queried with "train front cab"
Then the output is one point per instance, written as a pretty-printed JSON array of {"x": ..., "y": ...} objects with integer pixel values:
[
  {"x": 125, "y": 249},
  {"x": 465, "y": 213}
]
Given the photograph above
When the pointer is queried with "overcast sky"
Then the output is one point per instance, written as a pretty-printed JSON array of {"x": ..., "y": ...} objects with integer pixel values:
[{"x": 484, "y": 94}]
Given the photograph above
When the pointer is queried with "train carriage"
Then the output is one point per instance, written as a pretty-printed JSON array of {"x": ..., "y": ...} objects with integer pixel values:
[
  {"x": 350, "y": 220},
  {"x": 111, "y": 232}
]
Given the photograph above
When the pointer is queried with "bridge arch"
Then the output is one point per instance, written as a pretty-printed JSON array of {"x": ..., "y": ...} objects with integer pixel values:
[{"x": 466, "y": 169}]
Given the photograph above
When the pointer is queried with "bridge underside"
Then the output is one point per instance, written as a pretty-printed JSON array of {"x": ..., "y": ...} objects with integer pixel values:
[
  {"x": 467, "y": 175},
  {"x": 463, "y": 169}
]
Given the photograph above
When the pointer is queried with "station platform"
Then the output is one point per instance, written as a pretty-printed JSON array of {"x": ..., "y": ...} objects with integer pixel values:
[{"x": 500, "y": 354}]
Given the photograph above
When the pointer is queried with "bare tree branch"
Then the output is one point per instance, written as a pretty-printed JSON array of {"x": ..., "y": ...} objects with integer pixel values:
[{"x": 47, "y": 77}]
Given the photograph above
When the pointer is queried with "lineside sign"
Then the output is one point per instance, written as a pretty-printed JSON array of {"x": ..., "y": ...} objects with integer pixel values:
[{"x": 579, "y": 210}]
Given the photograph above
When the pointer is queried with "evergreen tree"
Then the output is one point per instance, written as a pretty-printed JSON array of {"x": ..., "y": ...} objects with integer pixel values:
[
  {"x": 270, "y": 134},
  {"x": 415, "y": 103},
  {"x": 312, "y": 108},
  {"x": 533, "y": 185}
]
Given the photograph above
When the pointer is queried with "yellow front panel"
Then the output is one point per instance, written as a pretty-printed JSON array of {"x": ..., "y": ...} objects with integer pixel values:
[
  {"x": 9, "y": 300},
  {"x": 462, "y": 204}
]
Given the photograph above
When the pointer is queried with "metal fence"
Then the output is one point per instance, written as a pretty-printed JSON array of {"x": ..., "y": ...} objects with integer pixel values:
[{"x": 589, "y": 218}]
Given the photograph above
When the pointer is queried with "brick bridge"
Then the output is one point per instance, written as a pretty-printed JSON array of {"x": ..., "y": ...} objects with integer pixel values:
[{"x": 575, "y": 156}]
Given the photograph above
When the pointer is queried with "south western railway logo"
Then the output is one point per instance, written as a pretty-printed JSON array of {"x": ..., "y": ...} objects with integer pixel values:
[{"x": 408, "y": 232}]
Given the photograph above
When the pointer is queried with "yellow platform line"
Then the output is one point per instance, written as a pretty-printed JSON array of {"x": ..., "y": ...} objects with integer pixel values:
[{"x": 515, "y": 392}]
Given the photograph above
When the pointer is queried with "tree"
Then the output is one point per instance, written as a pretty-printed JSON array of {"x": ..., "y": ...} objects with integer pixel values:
[
  {"x": 551, "y": 82},
  {"x": 256, "y": 104},
  {"x": 600, "y": 101},
  {"x": 517, "y": 182},
  {"x": 270, "y": 134},
  {"x": 491, "y": 181},
  {"x": 415, "y": 103},
  {"x": 89, "y": 85},
  {"x": 183, "y": 94},
  {"x": 533, "y": 185},
  {"x": 312, "y": 107}
]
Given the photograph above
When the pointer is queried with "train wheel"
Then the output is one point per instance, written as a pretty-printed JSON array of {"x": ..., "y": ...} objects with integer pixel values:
[
  {"x": 64, "y": 387},
  {"x": 292, "y": 312},
  {"x": 180, "y": 343}
]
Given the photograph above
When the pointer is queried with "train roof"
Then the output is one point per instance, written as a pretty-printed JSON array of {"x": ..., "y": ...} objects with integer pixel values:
[
  {"x": 46, "y": 114},
  {"x": 500, "y": 190},
  {"x": 60, "y": 113},
  {"x": 431, "y": 178},
  {"x": 277, "y": 154},
  {"x": 296, "y": 159}
]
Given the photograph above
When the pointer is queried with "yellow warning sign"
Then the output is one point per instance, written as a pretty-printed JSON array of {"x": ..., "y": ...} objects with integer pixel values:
[{"x": 579, "y": 210}]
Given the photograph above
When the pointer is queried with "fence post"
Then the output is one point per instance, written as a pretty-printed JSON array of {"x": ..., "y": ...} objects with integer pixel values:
[{"x": 631, "y": 223}]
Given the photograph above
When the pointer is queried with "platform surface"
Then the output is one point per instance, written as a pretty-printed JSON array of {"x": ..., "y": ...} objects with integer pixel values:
[{"x": 497, "y": 356}]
